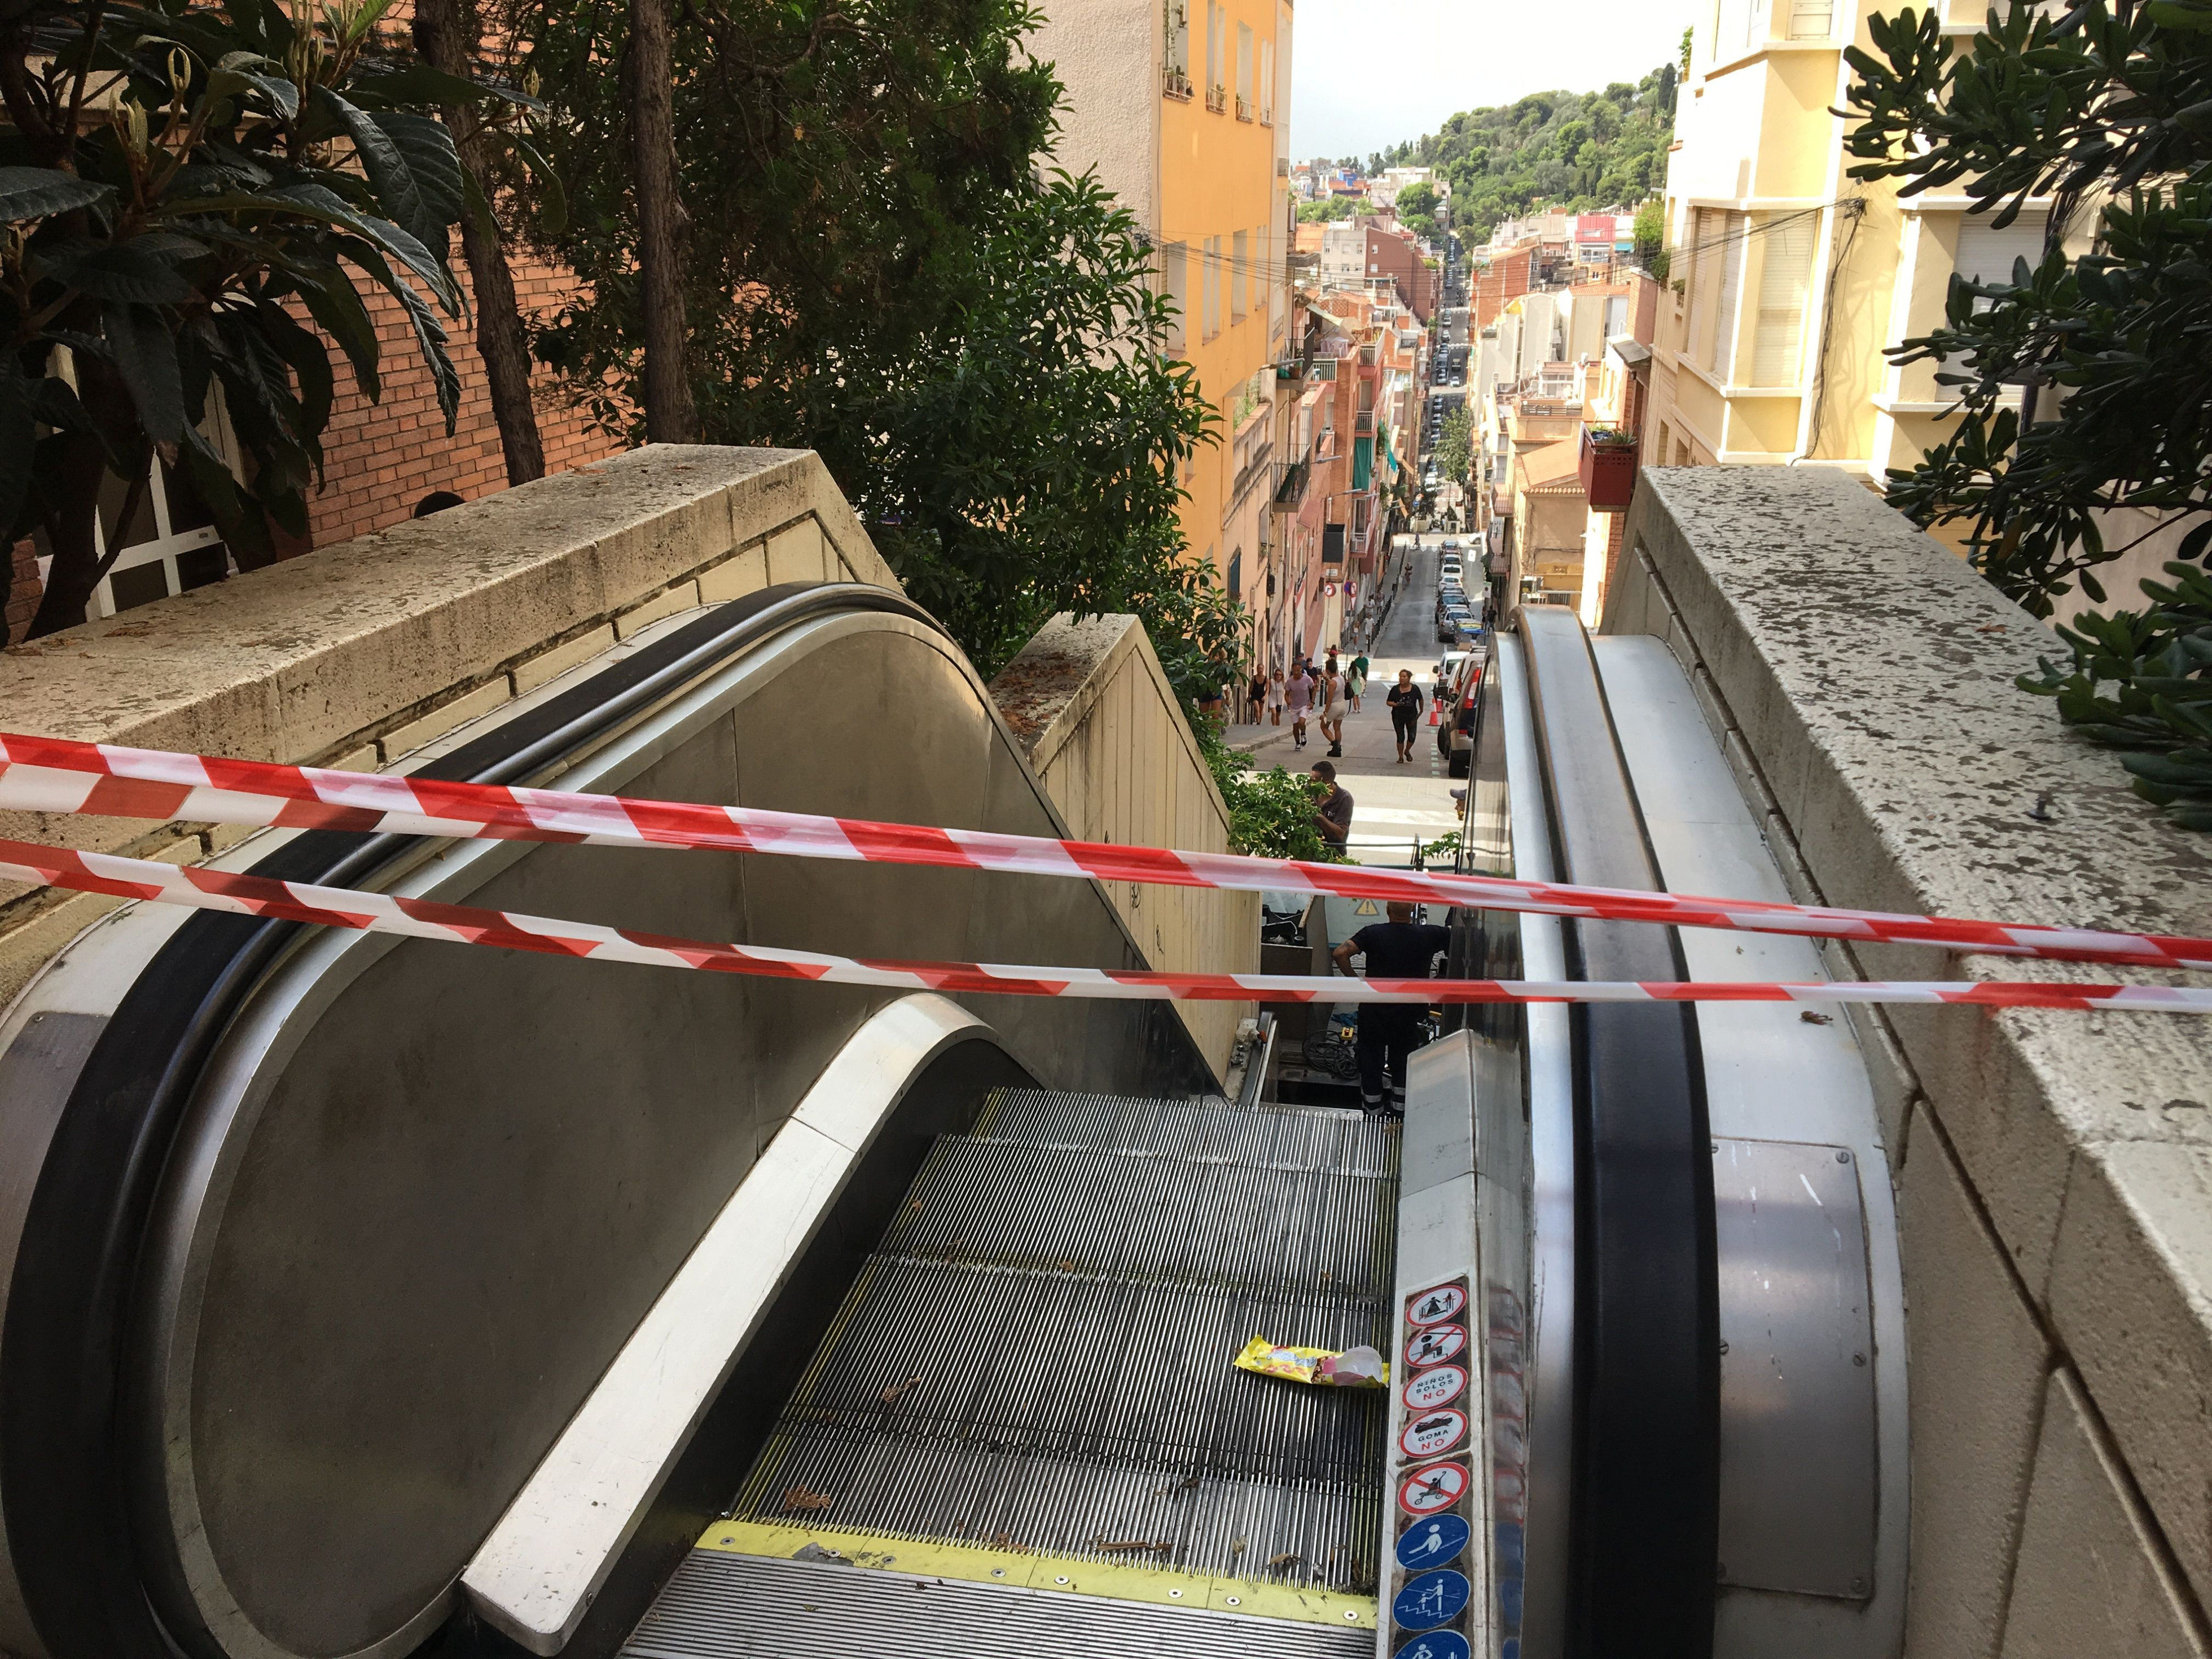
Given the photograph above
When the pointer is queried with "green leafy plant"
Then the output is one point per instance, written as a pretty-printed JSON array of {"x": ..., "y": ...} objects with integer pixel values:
[
  {"x": 872, "y": 268},
  {"x": 2108, "y": 104},
  {"x": 1455, "y": 450},
  {"x": 191, "y": 195},
  {"x": 1271, "y": 814},
  {"x": 2142, "y": 681}
]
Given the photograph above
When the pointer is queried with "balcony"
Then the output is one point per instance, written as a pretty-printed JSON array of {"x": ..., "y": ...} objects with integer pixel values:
[
  {"x": 1362, "y": 424},
  {"x": 1244, "y": 107},
  {"x": 1216, "y": 99},
  {"x": 1268, "y": 120},
  {"x": 1177, "y": 86},
  {"x": 1291, "y": 494}
]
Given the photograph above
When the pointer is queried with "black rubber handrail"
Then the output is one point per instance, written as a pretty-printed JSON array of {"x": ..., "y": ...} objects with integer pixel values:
[
  {"x": 1644, "y": 1525},
  {"x": 63, "y": 1469}
]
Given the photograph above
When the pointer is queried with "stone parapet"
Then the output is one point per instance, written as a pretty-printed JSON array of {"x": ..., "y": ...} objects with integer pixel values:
[
  {"x": 359, "y": 652},
  {"x": 1106, "y": 736},
  {"x": 2056, "y": 1169}
]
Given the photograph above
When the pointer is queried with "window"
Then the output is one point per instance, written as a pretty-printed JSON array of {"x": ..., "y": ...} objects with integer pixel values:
[
  {"x": 1177, "y": 15},
  {"x": 1244, "y": 72},
  {"x": 1715, "y": 282},
  {"x": 1986, "y": 254},
  {"x": 1175, "y": 283},
  {"x": 1811, "y": 20},
  {"x": 1267, "y": 83},
  {"x": 1661, "y": 452},
  {"x": 1240, "y": 267},
  {"x": 1217, "y": 23},
  {"x": 1211, "y": 281},
  {"x": 1776, "y": 349}
]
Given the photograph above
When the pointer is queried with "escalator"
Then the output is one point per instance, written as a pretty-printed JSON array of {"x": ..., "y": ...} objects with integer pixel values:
[{"x": 372, "y": 1297}]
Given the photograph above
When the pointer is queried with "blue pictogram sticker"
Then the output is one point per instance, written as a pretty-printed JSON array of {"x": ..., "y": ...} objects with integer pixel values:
[
  {"x": 1435, "y": 1542},
  {"x": 1436, "y": 1645},
  {"x": 1433, "y": 1599}
]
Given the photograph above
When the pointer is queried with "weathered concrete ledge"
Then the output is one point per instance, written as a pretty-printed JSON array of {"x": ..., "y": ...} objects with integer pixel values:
[
  {"x": 2055, "y": 1169},
  {"x": 1093, "y": 709},
  {"x": 357, "y": 654}
]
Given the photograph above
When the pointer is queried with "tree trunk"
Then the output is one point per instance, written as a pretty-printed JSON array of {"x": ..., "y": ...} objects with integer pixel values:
[
  {"x": 670, "y": 416},
  {"x": 76, "y": 570},
  {"x": 444, "y": 33}
]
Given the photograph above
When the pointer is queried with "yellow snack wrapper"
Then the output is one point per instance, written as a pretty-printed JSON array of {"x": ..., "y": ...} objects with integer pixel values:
[{"x": 1326, "y": 1368}]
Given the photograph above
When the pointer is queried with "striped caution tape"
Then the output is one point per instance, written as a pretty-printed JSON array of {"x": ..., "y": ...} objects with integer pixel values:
[
  {"x": 53, "y": 774},
  {"x": 461, "y": 924}
]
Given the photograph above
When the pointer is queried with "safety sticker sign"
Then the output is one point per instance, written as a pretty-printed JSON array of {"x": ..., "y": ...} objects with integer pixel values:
[
  {"x": 1426, "y": 1390},
  {"x": 1433, "y": 1489},
  {"x": 1429, "y": 1434},
  {"x": 1435, "y": 1542},
  {"x": 1435, "y": 1345},
  {"x": 1436, "y": 1645},
  {"x": 1436, "y": 1304},
  {"x": 1434, "y": 1598}
]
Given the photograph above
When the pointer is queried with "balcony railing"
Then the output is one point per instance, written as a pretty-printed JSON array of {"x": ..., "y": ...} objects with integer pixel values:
[
  {"x": 1290, "y": 493},
  {"x": 1216, "y": 99},
  {"x": 1178, "y": 86},
  {"x": 1244, "y": 107},
  {"x": 1363, "y": 423}
]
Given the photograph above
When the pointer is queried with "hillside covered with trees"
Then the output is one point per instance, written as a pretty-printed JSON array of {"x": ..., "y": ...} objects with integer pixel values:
[{"x": 1574, "y": 151}]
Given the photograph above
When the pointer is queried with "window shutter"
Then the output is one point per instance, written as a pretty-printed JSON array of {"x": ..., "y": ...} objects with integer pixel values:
[
  {"x": 1777, "y": 345},
  {"x": 1175, "y": 282},
  {"x": 1730, "y": 226},
  {"x": 1986, "y": 254},
  {"x": 1240, "y": 265},
  {"x": 1812, "y": 20}
]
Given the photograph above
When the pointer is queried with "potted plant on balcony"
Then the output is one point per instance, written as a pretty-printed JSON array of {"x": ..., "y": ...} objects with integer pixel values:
[{"x": 1607, "y": 467}]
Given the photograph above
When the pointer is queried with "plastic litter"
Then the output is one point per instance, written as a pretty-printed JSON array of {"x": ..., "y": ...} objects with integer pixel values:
[{"x": 1327, "y": 1367}]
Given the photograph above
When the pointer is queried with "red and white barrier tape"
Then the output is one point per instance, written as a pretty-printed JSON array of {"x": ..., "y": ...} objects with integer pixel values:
[
  {"x": 382, "y": 913},
  {"x": 54, "y": 774}
]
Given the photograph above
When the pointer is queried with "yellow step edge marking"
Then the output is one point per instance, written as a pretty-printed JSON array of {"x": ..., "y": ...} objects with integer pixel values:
[{"x": 1112, "y": 1581}]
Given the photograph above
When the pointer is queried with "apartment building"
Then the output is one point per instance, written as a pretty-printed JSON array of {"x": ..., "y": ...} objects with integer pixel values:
[
  {"x": 1788, "y": 277},
  {"x": 1368, "y": 254},
  {"x": 1184, "y": 107}
]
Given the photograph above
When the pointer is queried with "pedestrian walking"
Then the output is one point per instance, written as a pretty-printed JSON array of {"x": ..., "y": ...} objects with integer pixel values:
[
  {"x": 1398, "y": 948},
  {"x": 1405, "y": 700},
  {"x": 1331, "y": 695},
  {"x": 1298, "y": 696},
  {"x": 1360, "y": 667},
  {"x": 1332, "y": 817},
  {"x": 1275, "y": 698},
  {"x": 1256, "y": 694}
]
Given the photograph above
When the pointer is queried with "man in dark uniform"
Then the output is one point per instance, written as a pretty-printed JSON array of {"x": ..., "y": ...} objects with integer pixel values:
[{"x": 1400, "y": 948}]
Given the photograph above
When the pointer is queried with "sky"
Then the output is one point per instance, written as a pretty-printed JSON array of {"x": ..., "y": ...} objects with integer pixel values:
[{"x": 1367, "y": 73}]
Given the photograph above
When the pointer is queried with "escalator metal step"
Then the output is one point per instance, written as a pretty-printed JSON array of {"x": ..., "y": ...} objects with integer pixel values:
[{"x": 742, "y": 1607}]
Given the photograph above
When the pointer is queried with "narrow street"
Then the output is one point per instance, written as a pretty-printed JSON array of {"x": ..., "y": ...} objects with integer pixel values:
[{"x": 1395, "y": 807}]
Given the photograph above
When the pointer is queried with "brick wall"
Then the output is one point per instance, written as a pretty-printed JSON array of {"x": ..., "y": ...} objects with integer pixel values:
[
  {"x": 383, "y": 458},
  {"x": 23, "y": 594}
]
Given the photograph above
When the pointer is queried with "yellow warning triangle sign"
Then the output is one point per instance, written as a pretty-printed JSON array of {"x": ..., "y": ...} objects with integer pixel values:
[{"x": 1366, "y": 908}]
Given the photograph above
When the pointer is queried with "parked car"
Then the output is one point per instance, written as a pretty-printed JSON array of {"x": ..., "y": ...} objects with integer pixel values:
[{"x": 1455, "y": 732}]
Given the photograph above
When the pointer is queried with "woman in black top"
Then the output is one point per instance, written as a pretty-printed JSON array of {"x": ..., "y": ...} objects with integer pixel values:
[{"x": 1405, "y": 700}]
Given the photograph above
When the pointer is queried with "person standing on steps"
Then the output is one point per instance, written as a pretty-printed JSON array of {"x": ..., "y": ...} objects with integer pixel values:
[
  {"x": 1298, "y": 696},
  {"x": 1405, "y": 700},
  {"x": 1399, "y": 948},
  {"x": 1332, "y": 706},
  {"x": 1332, "y": 817}
]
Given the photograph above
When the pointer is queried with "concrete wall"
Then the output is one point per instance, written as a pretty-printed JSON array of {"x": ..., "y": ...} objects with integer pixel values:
[
  {"x": 1108, "y": 740},
  {"x": 2054, "y": 1171}
]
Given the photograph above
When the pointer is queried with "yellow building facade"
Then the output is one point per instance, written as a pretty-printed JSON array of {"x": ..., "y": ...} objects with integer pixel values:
[
  {"x": 1787, "y": 278},
  {"x": 1183, "y": 108}
]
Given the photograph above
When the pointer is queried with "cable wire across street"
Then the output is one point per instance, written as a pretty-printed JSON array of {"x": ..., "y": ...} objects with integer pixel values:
[
  {"x": 384, "y": 913},
  {"x": 50, "y": 774}
]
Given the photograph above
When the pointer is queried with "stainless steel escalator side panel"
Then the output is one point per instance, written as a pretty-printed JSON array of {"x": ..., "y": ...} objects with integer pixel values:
[
  {"x": 345, "y": 1405},
  {"x": 1796, "y": 1083},
  {"x": 360, "y": 1048},
  {"x": 1548, "y": 1089},
  {"x": 537, "y": 1574}
]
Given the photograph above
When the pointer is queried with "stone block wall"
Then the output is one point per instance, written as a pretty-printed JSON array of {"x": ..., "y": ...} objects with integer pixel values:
[
  {"x": 2054, "y": 1171},
  {"x": 360, "y": 652},
  {"x": 1091, "y": 705}
]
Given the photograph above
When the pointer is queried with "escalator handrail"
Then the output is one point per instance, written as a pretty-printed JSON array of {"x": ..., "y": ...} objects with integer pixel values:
[
  {"x": 1646, "y": 1480},
  {"x": 63, "y": 1347}
]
